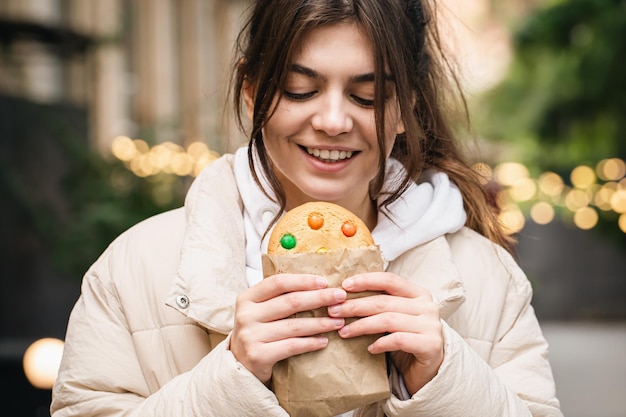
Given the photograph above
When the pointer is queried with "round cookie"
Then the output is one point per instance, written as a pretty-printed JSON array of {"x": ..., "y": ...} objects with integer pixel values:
[{"x": 318, "y": 227}]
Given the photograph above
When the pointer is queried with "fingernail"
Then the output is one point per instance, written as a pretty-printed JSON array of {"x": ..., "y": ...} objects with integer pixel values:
[
  {"x": 338, "y": 322},
  {"x": 348, "y": 283},
  {"x": 343, "y": 331},
  {"x": 339, "y": 294},
  {"x": 321, "y": 282},
  {"x": 334, "y": 310}
]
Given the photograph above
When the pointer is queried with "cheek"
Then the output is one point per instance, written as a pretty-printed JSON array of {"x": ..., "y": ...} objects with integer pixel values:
[{"x": 283, "y": 123}]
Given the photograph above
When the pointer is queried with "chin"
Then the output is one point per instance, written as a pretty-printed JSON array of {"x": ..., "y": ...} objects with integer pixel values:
[{"x": 332, "y": 197}]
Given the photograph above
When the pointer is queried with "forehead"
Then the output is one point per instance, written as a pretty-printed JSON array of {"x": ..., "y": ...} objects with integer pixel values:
[{"x": 345, "y": 42}]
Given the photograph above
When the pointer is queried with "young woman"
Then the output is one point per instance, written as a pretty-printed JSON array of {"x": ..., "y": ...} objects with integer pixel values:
[{"x": 348, "y": 105}]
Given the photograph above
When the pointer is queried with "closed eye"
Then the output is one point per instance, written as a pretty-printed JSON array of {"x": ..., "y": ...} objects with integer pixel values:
[
  {"x": 362, "y": 101},
  {"x": 298, "y": 96}
]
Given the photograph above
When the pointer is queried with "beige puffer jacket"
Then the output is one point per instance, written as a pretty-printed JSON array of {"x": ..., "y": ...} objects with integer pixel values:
[{"x": 148, "y": 336}]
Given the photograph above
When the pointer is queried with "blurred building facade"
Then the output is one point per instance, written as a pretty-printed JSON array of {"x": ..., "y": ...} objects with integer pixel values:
[
  {"x": 155, "y": 68},
  {"x": 78, "y": 73},
  {"x": 159, "y": 69}
]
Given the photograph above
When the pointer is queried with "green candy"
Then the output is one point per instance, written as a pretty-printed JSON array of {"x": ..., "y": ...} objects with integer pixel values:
[{"x": 288, "y": 241}]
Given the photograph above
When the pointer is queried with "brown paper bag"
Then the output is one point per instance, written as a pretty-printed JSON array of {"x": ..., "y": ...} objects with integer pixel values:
[{"x": 344, "y": 375}]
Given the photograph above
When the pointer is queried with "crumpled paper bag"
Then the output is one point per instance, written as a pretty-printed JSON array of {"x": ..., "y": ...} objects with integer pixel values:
[{"x": 344, "y": 375}]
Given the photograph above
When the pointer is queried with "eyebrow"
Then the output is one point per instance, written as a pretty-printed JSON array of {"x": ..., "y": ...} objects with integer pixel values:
[{"x": 357, "y": 79}]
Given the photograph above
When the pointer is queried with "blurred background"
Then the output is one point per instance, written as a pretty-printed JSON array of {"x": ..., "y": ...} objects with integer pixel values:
[{"x": 110, "y": 108}]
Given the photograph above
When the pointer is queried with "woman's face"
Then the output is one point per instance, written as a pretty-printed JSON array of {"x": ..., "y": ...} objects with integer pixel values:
[{"x": 322, "y": 136}]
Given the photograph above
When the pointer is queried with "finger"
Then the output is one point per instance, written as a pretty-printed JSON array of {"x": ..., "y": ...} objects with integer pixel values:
[
  {"x": 381, "y": 303},
  {"x": 260, "y": 358},
  {"x": 270, "y": 353},
  {"x": 275, "y": 285},
  {"x": 384, "y": 281},
  {"x": 300, "y": 327},
  {"x": 420, "y": 345},
  {"x": 389, "y": 323},
  {"x": 285, "y": 305}
]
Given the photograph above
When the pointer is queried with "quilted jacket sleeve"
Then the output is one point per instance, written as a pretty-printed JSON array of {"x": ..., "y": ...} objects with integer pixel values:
[
  {"x": 100, "y": 373},
  {"x": 515, "y": 381}
]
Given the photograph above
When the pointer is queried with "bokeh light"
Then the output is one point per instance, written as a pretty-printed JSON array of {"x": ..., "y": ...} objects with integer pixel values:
[
  {"x": 618, "y": 201},
  {"x": 576, "y": 199},
  {"x": 123, "y": 148},
  {"x": 603, "y": 196},
  {"x": 586, "y": 218},
  {"x": 523, "y": 189},
  {"x": 542, "y": 212},
  {"x": 167, "y": 157},
  {"x": 612, "y": 169},
  {"x": 512, "y": 219},
  {"x": 551, "y": 184},
  {"x": 583, "y": 176},
  {"x": 41, "y": 362},
  {"x": 508, "y": 173}
]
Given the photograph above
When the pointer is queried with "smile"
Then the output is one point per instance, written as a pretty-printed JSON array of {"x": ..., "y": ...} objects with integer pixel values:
[{"x": 329, "y": 155}]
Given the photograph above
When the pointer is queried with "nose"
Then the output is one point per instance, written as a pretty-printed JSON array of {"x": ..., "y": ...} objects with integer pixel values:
[{"x": 333, "y": 117}]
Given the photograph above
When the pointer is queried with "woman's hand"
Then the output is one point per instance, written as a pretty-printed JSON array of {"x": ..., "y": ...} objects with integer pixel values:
[
  {"x": 407, "y": 316},
  {"x": 264, "y": 334}
]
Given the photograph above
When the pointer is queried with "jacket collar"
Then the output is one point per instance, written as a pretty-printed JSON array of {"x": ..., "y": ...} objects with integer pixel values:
[{"x": 212, "y": 268}]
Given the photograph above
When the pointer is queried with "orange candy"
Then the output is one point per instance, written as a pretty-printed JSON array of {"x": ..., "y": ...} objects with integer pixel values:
[
  {"x": 348, "y": 229},
  {"x": 316, "y": 221}
]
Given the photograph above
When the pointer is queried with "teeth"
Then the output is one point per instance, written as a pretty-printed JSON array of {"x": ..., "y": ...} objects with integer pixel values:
[{"x": 329, "y": 156}]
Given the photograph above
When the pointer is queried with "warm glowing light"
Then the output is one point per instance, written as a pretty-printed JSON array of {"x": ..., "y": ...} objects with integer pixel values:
[
  {"x": 41, "y": 362},
  {"x": 123, "y": 148},
  {"x": 618, "y": 201},
  {"x": 182, "y": 164},
  {"x": 160, "y": 156},
  {"x": 484, "y": 171},
  {"x": 197, "y": 150},
  {"x": 512, "y": 219},
  {"x": 507, "y": 173},
  {"x": 622, "y": 222},
  {"x": 582, "y": 176},
  {"x": 137, "y": 166},
  {"x": 542, "y": 213},
  {"x": 602, "y": 198},
  {"x": 523, "y": 189},
  {"x": 611, "y": 169},
  {"x": 550, "y": 184},
  {"x": 146, "y": 165},
  {"x": 576, "y": 199},
  {"x": 166, "y": 157},
  {"x": 142, "y": 146},
  {"x": 586, "y": 218}
]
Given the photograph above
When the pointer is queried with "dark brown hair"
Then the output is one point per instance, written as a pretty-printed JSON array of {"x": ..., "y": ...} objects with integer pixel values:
[{"x": 406, "y": 41}]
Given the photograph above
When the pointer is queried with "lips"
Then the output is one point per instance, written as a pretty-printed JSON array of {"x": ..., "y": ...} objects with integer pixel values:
[{"x": 329, "y": 156}]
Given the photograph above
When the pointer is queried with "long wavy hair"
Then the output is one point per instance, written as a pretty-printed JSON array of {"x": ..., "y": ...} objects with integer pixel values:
[{"x": 405, "y": 40}]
